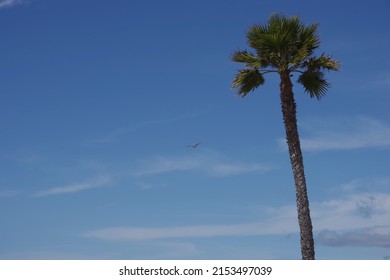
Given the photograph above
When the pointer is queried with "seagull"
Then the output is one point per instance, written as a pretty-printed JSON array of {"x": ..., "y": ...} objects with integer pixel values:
[{"x": 194, "y": 146}]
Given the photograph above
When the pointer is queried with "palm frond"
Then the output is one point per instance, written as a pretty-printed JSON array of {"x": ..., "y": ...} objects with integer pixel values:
[
  {"x": 284, "y": 45},
  {"x": 259, "y": 39},
  {"x": 284, "y": 41},
  {"x": 255, "y": 35},
  {"x": 313, "y": 79},
  {"x": 314, "y": 83},
  {"x": 267, "y": 45},
  {"x": 304, "y": 44},
  {"x": 324, "y": 62},
  {"x": 247, "y": 58},
  {"x": 309, "y": 38},
  {"x": 247, "y": 80}
]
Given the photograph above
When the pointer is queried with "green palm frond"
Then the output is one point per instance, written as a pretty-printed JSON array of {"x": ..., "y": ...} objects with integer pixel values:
[
  {"x": 247, "y": 80},
  {"x": 306, "y": 42},
  {"x": 309, "y": 38},
  {"x": 314, "y": 83},
  {"x": 283, "y": 41},
  {"x": 313, "y": 79},
  {"x": 284, "y": 45},
  {"x": 260, "y": 40},
  {"x": 266, "y": 45},
  {"x": 324, "y": 62},
  {"x": 247, "y": 58}
]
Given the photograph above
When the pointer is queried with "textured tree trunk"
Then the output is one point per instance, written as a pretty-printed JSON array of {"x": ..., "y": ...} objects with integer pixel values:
[{"x": 294, "y": 148}]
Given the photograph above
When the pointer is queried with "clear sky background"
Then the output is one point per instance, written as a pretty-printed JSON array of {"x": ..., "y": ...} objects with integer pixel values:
[{"x": 100, "y": 98}]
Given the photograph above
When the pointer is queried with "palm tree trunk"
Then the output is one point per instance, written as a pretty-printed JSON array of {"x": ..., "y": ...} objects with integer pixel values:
[{"x": 294, "y": 147}]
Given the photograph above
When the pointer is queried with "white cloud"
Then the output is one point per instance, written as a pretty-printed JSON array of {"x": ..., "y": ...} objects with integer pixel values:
[
  {"x": 74, "y": 188},
  {"x": 157, "y": 165},
  {"x": 344, "y": 134},
  {"x": 365, "y": 184},
  {"x": 8, "y": 193},
  {"x": 56, "y": 254},
  {"x": 237, "y": 168},
  {"x": 384, "y": 80},
  {"x": 208, "y": 164},
  {"x": 358, "y": 219},
  {"x": 115, "y": 134},
  {"x": 9, "y": 3},
  {"x": 146, "y": 186},
  {"x": 355, "y": 211},
  {"x": 175, "y": 250},
  {"x": 195, "y": 231},
  {"x": 336, "y": 221},
  {"x": 377, "y": 236}
]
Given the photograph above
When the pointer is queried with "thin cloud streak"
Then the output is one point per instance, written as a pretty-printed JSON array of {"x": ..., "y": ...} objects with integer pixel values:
[
  {"x": 352, "y": 212},
  {"x": 74, "y": 188},
  {"x": 237, "y": 168},
  {"x": 8, "y": 193},
  {"x": 210, "y": 165},
  {"x": 158, "y": 165},
  {"x": 384, "y": 80},
  {"x": 377, "y": 236},
  {"x": 177, "y": 250},
  {"x": 114, "y": 135},
  {"x": 338, "y": 221},
  {"x": 357, "y": 133},
  {"x": 197, "y": 231},
  {"x": 9, "y": 3},
  {"x": 364, "y": 184}
]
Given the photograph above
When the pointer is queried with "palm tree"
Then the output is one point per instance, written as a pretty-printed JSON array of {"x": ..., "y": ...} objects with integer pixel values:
[{"x": 284, "y": 45}]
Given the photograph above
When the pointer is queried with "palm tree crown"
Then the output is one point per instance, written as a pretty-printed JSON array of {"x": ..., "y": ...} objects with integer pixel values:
[{"x": 283, "y": 45}]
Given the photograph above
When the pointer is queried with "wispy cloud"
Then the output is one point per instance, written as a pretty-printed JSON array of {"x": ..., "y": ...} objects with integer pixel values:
[
  {"x": 340, "y": 222},
  {"x": 358, "y": 219},
  {"x": 159, "y": 164},
  {"x": 146, "y": 186},
  {"x": 237, "y": 168},
  {"x": 344, "y": 134},
  {"x": 9, "y": 3},
  {"x": 196, "y": 231},
  {"x": 279, "y": 221},
  {"x": 364, "y": 184},
  {"x": 355, "y": 211},
  {"x": 384, "y": 80},
  {"x": 113, "y": 135},
  {"x": 8, "y": 193},
  {"x": 209, "y": 164},
  {"x": 74, "y": 188},
  {"x": 377, "y": 236},
  {"x": 172, "y": 250}
]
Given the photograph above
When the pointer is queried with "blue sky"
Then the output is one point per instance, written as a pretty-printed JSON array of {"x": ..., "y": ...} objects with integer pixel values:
[{"x": 100, "y": 98}]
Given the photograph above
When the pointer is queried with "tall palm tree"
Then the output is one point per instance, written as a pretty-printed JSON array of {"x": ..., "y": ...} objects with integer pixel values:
[{"x": 284, "y": 45}]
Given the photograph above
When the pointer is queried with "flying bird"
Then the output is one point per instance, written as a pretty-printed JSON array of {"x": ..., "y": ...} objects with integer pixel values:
[{"x": 194, "y": 146}]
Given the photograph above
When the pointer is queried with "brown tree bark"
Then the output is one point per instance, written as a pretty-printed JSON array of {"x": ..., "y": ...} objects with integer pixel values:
[{"x": 294, "y": 147}]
